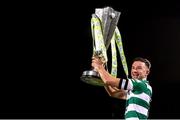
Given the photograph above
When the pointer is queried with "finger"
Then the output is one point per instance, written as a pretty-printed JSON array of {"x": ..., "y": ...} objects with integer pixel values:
[
  {"x": 94, "y": 65},
  {"x": 95, "y": 57},
  {"x": 94, "y": 61}
]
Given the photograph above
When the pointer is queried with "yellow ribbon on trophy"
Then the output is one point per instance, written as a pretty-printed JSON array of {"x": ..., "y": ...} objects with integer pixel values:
[
  {"x": 98, "y": 45},
  {"x": 98, "y": 37}
]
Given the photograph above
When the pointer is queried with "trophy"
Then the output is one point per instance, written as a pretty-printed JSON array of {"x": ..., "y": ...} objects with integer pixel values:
[{"x": 103, "y": 27}]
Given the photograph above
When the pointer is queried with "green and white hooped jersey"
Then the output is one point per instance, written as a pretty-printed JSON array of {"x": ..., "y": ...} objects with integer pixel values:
[{"x": 138, "y": 98}]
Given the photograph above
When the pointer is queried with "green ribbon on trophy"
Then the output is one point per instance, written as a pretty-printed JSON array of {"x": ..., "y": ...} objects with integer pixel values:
[{"x": 105, "y": 32}]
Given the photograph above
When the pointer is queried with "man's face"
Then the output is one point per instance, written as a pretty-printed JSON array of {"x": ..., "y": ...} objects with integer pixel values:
[{"x": 139, "y": 70}]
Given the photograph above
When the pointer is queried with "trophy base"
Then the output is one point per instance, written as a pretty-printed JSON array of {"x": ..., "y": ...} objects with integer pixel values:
[{"x": 92, "y": 77}]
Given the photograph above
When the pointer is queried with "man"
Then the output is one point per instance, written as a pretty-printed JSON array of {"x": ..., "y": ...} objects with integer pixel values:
[{"x": 136, "y": 91}]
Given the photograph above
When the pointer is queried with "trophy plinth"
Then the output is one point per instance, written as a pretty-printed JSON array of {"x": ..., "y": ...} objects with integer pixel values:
[{"x": 92, "y": 77}]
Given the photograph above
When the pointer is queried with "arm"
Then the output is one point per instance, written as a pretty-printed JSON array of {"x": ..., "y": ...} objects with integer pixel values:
[
  {"x": 107, "y": 78},
  {"x": 115, "y": 92},
  {"x": 112, "y": 83}
]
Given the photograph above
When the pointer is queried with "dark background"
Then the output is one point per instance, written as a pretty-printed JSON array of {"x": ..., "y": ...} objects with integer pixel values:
[{"x": 46, "y": 48}]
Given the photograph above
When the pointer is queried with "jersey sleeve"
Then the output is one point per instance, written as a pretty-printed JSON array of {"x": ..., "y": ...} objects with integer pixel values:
[
  {"x": 126, "y": 84},
  {"x": 131, "y": 84}
]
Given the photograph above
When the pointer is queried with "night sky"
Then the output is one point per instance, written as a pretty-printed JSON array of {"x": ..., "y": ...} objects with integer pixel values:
[
  {"x": 150, "y": 30},
  {"x": 51, "y": 46}
]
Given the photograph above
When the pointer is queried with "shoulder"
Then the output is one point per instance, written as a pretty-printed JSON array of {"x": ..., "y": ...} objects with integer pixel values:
[{"x": 140, "y": 85}]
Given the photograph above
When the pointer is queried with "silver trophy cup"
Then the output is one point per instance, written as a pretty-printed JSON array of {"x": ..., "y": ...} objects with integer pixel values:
[{"x": 108, "y": 18}]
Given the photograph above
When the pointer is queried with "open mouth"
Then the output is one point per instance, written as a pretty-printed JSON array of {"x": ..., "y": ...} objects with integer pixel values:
[{"x": 135, "y": 75}]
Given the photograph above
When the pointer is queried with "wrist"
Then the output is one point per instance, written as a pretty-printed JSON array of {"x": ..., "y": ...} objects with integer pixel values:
[{"x": 100, "y": 68}]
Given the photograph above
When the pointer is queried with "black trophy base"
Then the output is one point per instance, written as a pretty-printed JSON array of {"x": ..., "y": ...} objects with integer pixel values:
[{"x": 92, "y": 77}]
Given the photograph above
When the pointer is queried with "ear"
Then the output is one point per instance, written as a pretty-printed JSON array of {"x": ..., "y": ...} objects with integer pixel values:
[{"x": 147, "y": 72}]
